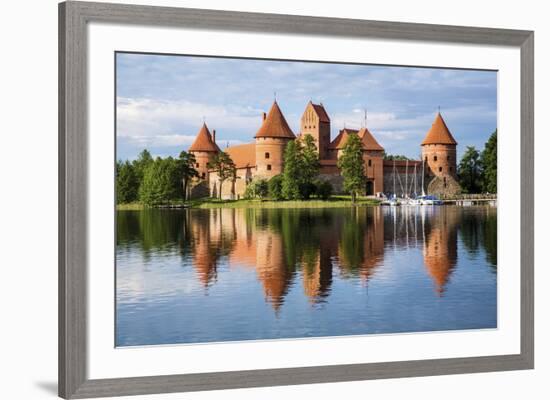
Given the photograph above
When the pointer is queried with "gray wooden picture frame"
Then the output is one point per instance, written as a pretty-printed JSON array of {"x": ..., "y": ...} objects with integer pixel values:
[{"x": 73, "y": 173}]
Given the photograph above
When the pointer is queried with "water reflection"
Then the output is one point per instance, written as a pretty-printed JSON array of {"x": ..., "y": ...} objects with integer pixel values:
[{"x": 307, "y": 251}]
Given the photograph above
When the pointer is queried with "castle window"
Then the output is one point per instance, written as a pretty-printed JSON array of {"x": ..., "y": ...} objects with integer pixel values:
[
  {"x": 440, "y": 169},
  {"x": 448, "y": 158},
  {"x": 435, "y": 158},
  {"x": 197, "y": 165},
  {"x": 370, "y": 163},
  {"x": 269, "y": 167},
  {"x": 266, "y": 155},
  {"x": 204, "y": 175}
]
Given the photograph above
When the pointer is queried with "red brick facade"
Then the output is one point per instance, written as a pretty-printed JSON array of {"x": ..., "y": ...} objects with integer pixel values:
[{"x": 264, "y": 157}]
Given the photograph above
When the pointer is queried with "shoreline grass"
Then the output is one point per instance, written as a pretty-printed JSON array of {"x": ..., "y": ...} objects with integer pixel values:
[
  {"x": 333, "y": 202},
  {"x": 130, "y": 206}
]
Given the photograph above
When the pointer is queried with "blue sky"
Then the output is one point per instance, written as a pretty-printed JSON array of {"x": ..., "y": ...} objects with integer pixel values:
[{"x": 163, "y": 100}]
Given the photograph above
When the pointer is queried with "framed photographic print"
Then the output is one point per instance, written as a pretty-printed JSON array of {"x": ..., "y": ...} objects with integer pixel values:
[{"x": 256, "y": 200}]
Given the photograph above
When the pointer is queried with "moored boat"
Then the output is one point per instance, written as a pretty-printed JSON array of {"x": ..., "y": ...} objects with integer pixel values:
[{"x": 430, "y": 200}]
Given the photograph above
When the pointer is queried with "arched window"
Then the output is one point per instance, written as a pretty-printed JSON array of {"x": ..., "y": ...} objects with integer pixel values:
[
  {"x": 266, "y": 155},
  {"x": 440, "y": 169},
  {"x": 204, "y": 175},
  {"x": 197, "y": 165},
  {"x": 435, "y": 158},
  {"x": 370, "y": 162},
  {"x": 269, "y": 167}
]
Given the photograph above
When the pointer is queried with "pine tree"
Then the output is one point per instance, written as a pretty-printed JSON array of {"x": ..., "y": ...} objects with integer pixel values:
[
  {"x": 127, "y": 183},
  {"x": 489, "y": 164},
  {"x": 292, "y": 171},
  {"x": 469, "y": 171},
  {"x": 144, "y": 159},
  {"x": 275, "y": 187},
  {"x": 310, "y": 166},
  {"x": 352, "y": 165},
  {"x": 161, "y": 182}
]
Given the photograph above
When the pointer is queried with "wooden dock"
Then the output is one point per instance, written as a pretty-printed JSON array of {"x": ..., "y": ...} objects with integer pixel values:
[{"x": 471, "y": 199}]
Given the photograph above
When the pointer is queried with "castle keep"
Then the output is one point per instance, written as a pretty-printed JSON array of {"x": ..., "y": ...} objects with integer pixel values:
[{"x": 263, "y": 158}]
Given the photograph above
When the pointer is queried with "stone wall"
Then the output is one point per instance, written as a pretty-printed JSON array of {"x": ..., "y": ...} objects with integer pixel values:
[
  {"x": 336, "y": 181},
  {"x": 198, "y": 189},
  {"x": 231, "y": 189},
  {"x": 444, "y": 186}
]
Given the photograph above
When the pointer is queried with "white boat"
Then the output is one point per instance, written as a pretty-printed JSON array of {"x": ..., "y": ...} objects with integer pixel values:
[
  {"x": 430, "y": 201},
  {"x": 394, "y": 201}
]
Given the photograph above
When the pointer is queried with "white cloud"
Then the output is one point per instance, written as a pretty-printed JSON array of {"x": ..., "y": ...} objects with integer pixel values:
[
  {"x": 160, "y": 140},
  {"x": 140, "y": 118}
]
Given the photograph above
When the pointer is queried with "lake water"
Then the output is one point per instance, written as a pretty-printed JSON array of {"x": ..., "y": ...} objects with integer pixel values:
[{"x": 189, "y": 276}]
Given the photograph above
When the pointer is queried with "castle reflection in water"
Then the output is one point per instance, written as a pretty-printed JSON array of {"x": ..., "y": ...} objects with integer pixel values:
[{"x": 312, "y": 247}]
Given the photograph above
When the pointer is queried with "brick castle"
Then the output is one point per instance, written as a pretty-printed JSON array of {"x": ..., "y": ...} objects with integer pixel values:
[{"x": 263, "y": 158}]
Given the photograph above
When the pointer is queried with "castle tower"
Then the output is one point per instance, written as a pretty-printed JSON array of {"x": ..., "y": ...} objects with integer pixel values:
[
  {"x": 204, "y": 148},
  {"x": 316, "y": 122},
  {"x": 439, "y": 156},
  {"x": 271, "y": 140},
  {"x": 373, "y": 154},
  {"x": 336, "y": 147}
]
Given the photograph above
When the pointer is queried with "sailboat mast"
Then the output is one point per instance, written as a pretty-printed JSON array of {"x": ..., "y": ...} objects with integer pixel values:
[
  {"x": 407, "y": 178},
  {"x": 394, "y": 194},
  {"x": 423, "y": 193},
  {"x": 415, "y": 180}
]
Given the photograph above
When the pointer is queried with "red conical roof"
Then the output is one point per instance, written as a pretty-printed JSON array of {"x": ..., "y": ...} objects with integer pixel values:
[
  {"x": 369, "y": 142},
  {"x": 204, "y": 141},
  {"x": 275, "y": 125},
  {"x": 340, "y": 141},
  {"x": 439, "y": 133}
]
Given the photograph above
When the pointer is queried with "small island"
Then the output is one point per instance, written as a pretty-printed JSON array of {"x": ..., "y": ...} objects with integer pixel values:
[{"x": 283, "y": 170}]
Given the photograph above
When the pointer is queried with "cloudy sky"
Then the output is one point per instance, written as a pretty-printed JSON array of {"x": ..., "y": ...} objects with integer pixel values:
[{"x": 163, "y": 100}]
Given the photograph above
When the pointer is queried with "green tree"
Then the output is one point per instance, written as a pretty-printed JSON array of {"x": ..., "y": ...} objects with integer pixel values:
[
  {"x": 323, "y": 189},
  {"x": 127, "y": 183},
  {"x": 186, "y": 165},
  {"x": 310, "y": 166},
  {"x": 161, "y": 182},
  {"x": 489, "y": 164},
  {"x": 469, "y": 171},
  {"x": 224, "y": 166},
  {"x": 292, "y": 171},
  {"x": 396, "y": 157},
  {"x": 257, "y": 189},
  {"x": 352, "y": 166},
  {"x": 143, "y": 161},
  {"x": 275, "y": 187}
]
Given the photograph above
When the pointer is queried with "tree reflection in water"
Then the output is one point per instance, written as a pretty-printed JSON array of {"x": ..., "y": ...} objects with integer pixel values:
[{"x": 307, "y": 244}]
